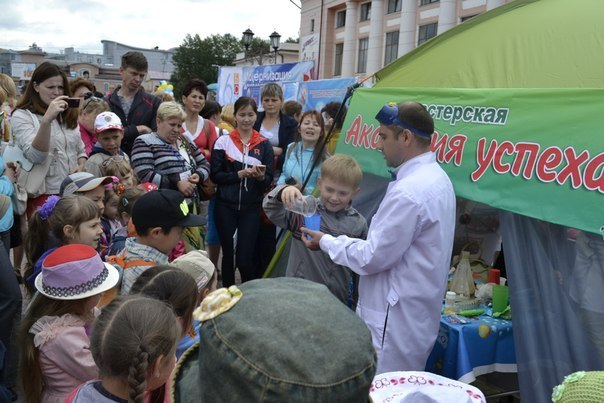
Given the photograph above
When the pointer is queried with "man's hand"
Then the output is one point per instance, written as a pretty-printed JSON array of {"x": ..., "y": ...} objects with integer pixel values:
[{"x": 315, "y": 238}]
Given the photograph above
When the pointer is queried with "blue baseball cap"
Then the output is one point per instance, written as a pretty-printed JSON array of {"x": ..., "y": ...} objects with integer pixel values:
[{"x": 388, "y": 116}]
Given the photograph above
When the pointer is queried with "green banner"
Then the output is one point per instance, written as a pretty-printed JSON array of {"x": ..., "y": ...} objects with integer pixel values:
[{"x": 536, "y": 152}]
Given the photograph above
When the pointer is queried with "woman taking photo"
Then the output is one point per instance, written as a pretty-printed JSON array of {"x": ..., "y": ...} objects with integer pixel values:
[
  {"x": 242, "y": 167},
  {"x": 170, "y": 161},
  {"x": 46, "y": 129}
]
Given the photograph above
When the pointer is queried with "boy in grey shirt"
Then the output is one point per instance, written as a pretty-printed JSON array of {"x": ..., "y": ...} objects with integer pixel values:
[{"x": 338, "y": 184}]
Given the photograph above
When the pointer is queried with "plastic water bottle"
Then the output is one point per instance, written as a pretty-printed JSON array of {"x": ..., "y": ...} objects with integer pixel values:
[{"x": 450, "y": 302}]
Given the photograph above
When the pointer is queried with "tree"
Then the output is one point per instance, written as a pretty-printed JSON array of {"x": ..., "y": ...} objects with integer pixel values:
[
  {"x": 259, "y": 50},
  {"x": 200, "y": 58}
]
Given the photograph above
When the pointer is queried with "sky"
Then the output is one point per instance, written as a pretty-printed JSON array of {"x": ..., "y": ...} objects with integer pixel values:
[{"x": 56, "y": 24}]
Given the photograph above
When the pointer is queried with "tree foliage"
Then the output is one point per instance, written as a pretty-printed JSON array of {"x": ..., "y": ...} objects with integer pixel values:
[{"x": 200, "y": 58}]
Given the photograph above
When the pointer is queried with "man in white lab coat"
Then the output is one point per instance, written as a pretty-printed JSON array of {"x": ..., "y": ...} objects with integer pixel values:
[{"x": 404, "y": 261}]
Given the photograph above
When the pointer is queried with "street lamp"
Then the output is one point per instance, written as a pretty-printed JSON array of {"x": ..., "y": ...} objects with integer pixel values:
[
  {"x": 248, "y": 35},
  {"x": 275, "y": 39}
]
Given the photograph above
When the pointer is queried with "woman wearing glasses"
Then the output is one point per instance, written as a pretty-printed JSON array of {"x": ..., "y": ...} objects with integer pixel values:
[
  {"x": 91, "y": 106},
  {"x": 46, "y": 129}
]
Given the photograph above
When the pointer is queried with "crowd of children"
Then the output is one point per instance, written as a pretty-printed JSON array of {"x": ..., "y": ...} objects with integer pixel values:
[{"x": 110, "y": 290}]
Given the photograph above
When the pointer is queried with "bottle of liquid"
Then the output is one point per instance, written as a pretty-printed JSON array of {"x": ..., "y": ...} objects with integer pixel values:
[
  {"x": 463, "y": 283},
  {"x": 449, "y": 302}
]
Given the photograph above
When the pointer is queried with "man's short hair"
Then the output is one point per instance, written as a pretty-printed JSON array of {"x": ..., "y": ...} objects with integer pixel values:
[
  {"x": 342, "y": 169},
  {"x": 136, "y": 60},
  {"x": 416, "y": 115}
]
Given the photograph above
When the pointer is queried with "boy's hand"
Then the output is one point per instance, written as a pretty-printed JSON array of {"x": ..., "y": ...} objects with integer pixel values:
[
  {"x": 289, "y": 195},
  {"x": 311, "y": 238}
]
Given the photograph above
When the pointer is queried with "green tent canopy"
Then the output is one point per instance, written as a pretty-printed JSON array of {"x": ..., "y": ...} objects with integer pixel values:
[
  {"x": 523, "y": 44},
  {"x": 516, "y": 94}
]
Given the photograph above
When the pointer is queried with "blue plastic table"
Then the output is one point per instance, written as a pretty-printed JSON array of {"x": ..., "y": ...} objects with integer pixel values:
[{"x": 465, "y": 351}]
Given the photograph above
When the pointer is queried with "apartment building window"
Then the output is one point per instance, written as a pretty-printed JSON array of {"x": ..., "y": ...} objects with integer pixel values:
[
  {"x": 426, "y": 32},
  {"x": 312, "y": 25},
  {"x": 394, "y": 6},
  {"x": 424, "y": 2},
  {"x": 467, "y": 17},
  {"x": 391, "y": 47},
  {"x": 362, "y": 62},
  {"x": 366, "y": 11},
  {"x": 337, "y": 68},
  {"x": 340, "y": 19}
]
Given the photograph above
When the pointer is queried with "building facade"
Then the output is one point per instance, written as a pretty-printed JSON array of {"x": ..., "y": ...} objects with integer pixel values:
[
  {"x": 101, "y": 69},
  {"x": 359, "y": 37}
]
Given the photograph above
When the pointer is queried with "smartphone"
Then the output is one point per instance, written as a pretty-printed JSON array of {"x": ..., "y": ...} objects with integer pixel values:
[
  {"x": 262, "y": 168},
  {"x": 73, "y": 102}
]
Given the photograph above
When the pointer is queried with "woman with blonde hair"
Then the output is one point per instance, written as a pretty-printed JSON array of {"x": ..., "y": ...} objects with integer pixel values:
[{"x": 169, "y": 161}]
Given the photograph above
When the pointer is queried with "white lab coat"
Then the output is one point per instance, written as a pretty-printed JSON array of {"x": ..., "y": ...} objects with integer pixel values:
[{"x": 403, "y": 264}]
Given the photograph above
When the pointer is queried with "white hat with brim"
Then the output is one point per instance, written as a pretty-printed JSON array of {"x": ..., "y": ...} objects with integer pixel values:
[
  {"x": 82, "y": 182},
  {"x": 74, "y": 272}
]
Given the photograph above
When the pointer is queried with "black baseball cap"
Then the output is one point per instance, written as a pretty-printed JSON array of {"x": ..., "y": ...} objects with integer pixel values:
[{"x": 164, "y": 208}]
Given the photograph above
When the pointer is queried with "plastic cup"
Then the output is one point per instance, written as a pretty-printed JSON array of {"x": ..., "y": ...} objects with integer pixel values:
[
  {"x": 313, "y": 223},
  {"x": 306, "y": 206},
  {"x": 501, "y": 298}
]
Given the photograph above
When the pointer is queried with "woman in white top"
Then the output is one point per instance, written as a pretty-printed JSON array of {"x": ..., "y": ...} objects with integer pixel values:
[{"x": 44, "y": 126}]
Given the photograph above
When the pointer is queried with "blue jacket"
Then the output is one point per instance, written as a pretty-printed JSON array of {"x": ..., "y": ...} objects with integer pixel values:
[
  {"x": 298, "y": 163},
  {"x": 6, "y": 188}
]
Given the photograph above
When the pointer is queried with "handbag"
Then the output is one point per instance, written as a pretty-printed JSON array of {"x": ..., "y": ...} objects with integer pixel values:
[
  {"x": 207, "y": 190},
  {"x": 33, "y": 181},
  {"x": 19, "y": 199}
]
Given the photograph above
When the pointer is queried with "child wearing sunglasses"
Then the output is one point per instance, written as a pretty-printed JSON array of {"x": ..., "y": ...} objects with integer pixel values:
[{"x": 109, "y": 134}]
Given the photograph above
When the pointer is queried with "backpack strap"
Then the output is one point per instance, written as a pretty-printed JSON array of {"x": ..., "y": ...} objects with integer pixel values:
[{"x": 121, "y": 261}]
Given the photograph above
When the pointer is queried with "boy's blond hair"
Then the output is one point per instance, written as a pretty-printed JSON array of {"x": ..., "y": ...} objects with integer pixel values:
[{"x": 342, "y": 169}]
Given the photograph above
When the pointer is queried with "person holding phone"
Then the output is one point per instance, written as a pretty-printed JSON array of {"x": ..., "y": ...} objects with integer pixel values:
[
  {"x": 44, "y": 126},
  {"x": 242, "y": 169}
]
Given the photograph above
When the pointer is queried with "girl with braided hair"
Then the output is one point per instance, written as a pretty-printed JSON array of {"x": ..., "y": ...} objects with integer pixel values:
[{"x": 133, "y": 343}]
